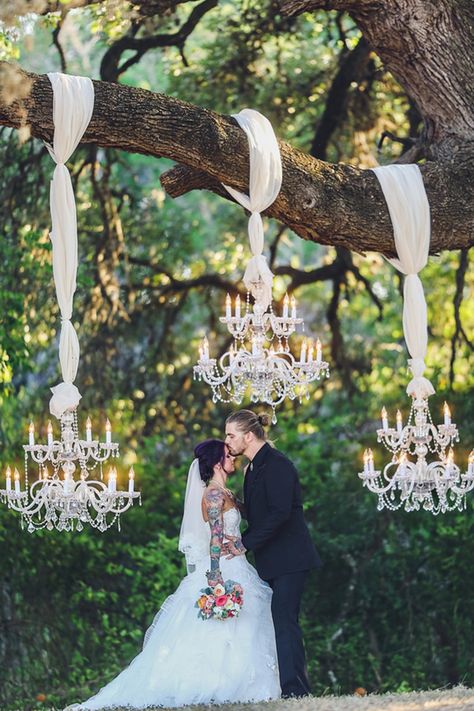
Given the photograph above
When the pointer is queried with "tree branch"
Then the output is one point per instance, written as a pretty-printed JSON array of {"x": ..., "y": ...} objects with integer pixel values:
[
  {"x": 353, "y": 65},
  {"x": 459, "y": 332},
  {"x": 110, "y": 69},
  {"x": 333, "y": 204}
]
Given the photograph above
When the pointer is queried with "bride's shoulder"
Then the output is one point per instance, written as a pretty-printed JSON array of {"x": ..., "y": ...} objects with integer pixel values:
[{"x": 213, "y": 495}]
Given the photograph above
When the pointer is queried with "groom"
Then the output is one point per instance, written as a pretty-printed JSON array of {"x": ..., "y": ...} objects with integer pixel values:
[{"x": 278, "y": 536}]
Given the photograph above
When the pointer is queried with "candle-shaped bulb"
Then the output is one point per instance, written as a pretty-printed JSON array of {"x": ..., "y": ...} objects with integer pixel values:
[
  {"x": 293, "y": 307},
  {"x": 366, "y": 461},
  {"x": 50, "y": 432},
  {"x": 16, "y": 476},
  {"x": 470, "y": 463},
  {"x": 303, "y": 353},
  {"x": 286, "y": 302},
  {"x": 447, "y": 414},
  {"x": 370, "y": 456},
  {"x": 450, "y": 460},
  {"x": 108, "y": 432},
  {"x": 205, "y": 348},
  {"x": 237, "y": 306},
  {"x": 383, "y": 415},
  {"x": 8, "y": 477},
  {"x": 228, "y": 307},
  {"x": 88, "y": 430},
  {"x": 131, "y": 480},
  {"x": 31, "y": 434},
  {"x": 318, "y": 351},
  {"x": 310, "y": 353},
  {"x": 399, "y": 421},
  {"x": 112, "y": 479}
]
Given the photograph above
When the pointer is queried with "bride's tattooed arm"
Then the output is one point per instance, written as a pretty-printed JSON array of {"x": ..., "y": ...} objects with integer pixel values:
[{"x": 214, "y": 502}]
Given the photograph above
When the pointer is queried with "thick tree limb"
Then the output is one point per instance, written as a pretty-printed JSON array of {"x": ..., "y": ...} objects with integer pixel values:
[{"x": 331, "y": 204}]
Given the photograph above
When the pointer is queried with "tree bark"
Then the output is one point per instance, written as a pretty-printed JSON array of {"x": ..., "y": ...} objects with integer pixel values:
[{"x": 331, "y": 204}]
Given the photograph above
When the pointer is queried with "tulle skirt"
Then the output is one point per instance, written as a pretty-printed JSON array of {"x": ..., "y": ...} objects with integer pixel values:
[{"x": 186, "y": 660}]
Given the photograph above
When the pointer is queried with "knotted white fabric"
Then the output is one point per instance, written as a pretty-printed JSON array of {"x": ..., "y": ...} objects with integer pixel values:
[
  {"x": 409, "y": 209},
  {"x": 264, "y": 185},
  {"x": 73, "y": 103}
]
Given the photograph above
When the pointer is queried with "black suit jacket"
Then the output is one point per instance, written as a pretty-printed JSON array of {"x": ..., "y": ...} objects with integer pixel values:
[{"x": 277, "y": 532}]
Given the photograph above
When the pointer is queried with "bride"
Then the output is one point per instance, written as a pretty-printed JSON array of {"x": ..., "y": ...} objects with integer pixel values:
[{"x": 186, "y": 660}]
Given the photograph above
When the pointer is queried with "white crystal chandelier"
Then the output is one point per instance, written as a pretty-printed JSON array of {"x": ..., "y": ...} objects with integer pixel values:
[
  {"x": 67, "y": 492},
  {"x": 55, "y": 499},
  {"x": 409, "y": 480},
  {"x": 259, "y": 363}
]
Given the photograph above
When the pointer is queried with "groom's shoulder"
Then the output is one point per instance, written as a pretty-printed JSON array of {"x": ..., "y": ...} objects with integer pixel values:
[{"x": 279, "y": 458}]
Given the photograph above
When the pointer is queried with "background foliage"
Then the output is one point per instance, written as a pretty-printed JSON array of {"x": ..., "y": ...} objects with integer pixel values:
[{"x": 392, "y": 607}]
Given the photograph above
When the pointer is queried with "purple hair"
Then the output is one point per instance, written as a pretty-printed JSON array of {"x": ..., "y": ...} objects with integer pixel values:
[{"x": 209, "y": 453}]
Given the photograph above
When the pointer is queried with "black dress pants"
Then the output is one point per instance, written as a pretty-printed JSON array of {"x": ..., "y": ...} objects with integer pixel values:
[{"x": 287, "y": 593}]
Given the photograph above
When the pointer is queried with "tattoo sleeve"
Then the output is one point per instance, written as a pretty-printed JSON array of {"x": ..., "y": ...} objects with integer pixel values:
[{"x": 214, "y": 501}]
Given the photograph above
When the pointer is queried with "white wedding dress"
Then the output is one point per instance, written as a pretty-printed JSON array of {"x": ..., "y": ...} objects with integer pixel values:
[{"x": 186, "y": 660}]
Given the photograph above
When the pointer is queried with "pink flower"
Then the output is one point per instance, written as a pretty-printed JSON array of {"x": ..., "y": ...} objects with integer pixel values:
[{"x": 221, "y": 600}]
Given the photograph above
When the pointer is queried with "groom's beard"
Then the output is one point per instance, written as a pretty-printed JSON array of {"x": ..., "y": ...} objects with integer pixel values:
[{"x": 234, "y": 452}]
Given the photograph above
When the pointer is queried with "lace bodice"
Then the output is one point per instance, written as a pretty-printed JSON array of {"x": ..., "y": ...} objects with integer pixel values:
[{"x": 232, "y": 520}]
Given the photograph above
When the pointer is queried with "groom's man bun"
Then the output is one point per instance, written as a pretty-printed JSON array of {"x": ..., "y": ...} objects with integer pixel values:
[{"x": 249, "y": 421}]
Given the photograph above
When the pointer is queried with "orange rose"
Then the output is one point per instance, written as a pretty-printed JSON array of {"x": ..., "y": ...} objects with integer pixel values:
[{"x": 41, "y": 697}]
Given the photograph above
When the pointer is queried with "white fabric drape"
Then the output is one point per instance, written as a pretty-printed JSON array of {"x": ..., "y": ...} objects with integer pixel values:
[
  {"x": 195, "y": 533},
  {"x": 409, "y": 209},
  {"x": 73, "y": 103},
  {"x": 264, "y": 185}
]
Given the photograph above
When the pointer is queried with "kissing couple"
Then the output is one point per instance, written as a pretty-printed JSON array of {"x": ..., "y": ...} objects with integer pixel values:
[{"x": 259, "y": 654}]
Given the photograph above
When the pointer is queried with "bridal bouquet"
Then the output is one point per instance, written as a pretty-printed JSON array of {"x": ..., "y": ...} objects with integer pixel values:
[{"x": 220, "y": 602}]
